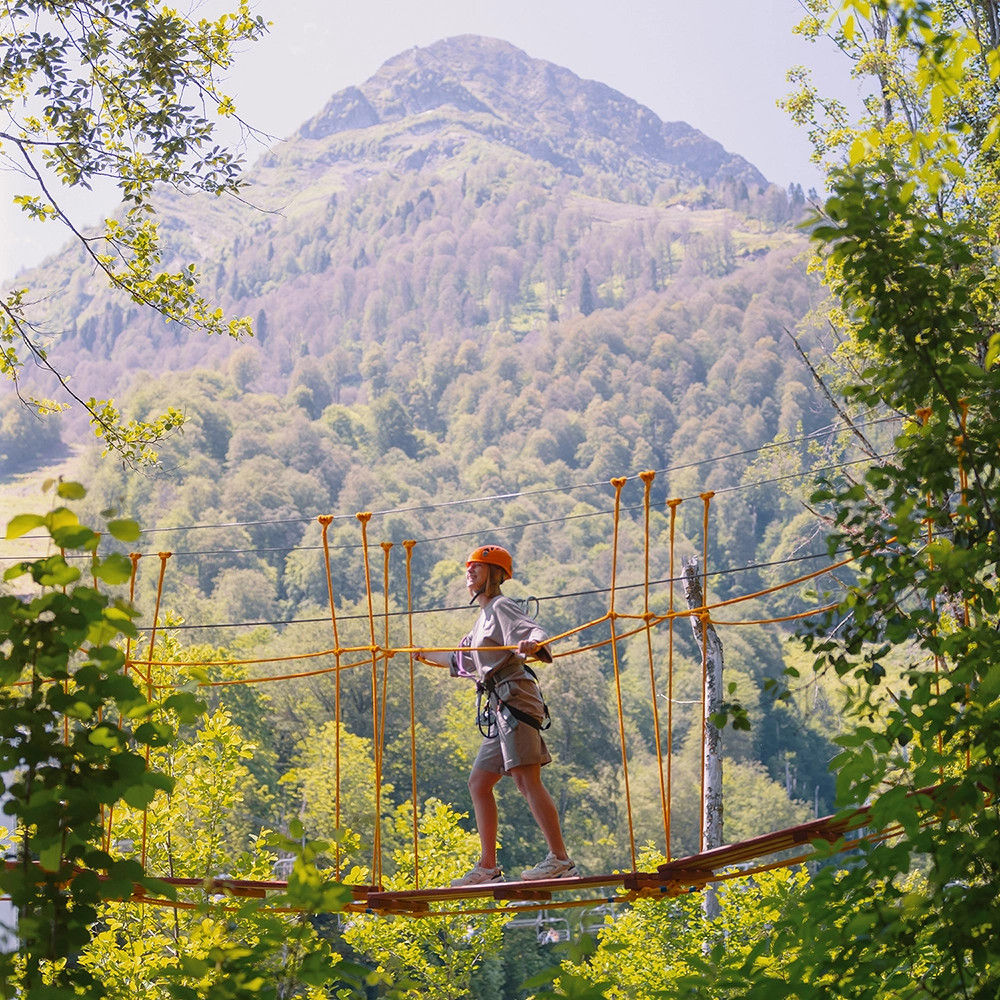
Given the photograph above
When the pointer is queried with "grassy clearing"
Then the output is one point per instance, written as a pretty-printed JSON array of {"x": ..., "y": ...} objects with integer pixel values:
[{"x": 22, "y": 494}]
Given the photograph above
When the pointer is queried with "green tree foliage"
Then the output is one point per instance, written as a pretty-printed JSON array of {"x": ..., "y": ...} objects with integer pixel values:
[
  {"x": 432, "y": 958},
  {"x": 393, "y": 426},
  {"x": 328, "y": 812},
  {"x": 87, "y": 757},
  {"x": 587, "y": 304},
  {"x": 907, "y": 241},
  {"x": 108, "y": 90},
  {"x": 665, "y": 948},
  {"x": 66, "y": 758}
]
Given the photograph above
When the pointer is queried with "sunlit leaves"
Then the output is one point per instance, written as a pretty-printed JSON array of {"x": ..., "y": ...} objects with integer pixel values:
[
  {"x": 908, "y": 241},
  {"x": 112, "y": 89},
  {"x": 125, "y": 530},
  {"x": 66, "y": 751},
  {"x": 21, "y": 524}
]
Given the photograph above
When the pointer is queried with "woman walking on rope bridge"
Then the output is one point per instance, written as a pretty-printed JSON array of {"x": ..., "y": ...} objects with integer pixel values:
[{"x": 511, "y": 715}]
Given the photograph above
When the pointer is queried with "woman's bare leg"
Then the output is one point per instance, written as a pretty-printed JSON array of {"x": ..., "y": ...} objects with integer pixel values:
[
  {"x": 484, "y": 804},
  {"x": 528, "y": 779}
]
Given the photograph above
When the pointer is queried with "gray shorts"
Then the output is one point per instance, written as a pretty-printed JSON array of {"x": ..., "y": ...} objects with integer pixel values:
[{"x": 516, "y": 742}]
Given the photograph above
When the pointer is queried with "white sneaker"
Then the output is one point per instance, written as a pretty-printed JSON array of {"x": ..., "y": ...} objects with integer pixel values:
[
  {"x": 479, "y": 876},
  {"x": 552, "y": 867}
]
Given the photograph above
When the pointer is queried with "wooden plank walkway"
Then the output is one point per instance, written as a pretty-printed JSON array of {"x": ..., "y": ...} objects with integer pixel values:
[{"x": 673, "y": 878}]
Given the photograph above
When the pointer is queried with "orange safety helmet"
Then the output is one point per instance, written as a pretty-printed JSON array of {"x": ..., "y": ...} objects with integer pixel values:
[{"x": 492, "y": 555}]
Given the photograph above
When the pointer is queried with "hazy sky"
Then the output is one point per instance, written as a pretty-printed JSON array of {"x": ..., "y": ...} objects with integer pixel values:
[{"x": 718, "y": 65}]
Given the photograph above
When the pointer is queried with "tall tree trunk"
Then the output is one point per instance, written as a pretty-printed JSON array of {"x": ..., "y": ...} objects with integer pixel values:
[{"x": 710, "y": 646}]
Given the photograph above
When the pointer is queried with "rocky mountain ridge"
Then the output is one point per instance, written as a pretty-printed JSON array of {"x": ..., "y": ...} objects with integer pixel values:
[{"x": 541, "y": 109}]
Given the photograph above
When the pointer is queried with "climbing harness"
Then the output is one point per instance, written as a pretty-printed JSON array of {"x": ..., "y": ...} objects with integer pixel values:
[{"x": 491, "y": 707}]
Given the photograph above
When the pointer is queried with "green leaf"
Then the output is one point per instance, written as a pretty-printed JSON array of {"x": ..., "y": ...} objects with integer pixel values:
[
  {"x": 70, "y": 491},
  {"x": 21, "y": 524},
  {"x": 108, "y": 658},
  {"x": 992, "y": 352},
  {"x": 55, "y": 572},
  {"x": 540, "y": 978},
  {"x": 139, "y": 796},
  {"x": 121, "y": 616},
  {"x": 154, "y": 734},
  {"x": 125, "y": 530},
  {"x": 106, "y": 735},
  {"x": 188, "y": 707},
  {"x": 196, "y": 967},
  {"x": 50, "y": 857},
  {"x": 17, "y": 569},
  {"x": 114, "y": 569},
  {"x": 75, "y": 536}
]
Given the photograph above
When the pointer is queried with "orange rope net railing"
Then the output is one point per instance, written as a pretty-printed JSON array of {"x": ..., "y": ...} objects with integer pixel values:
[{"x": 381, "y": 649}]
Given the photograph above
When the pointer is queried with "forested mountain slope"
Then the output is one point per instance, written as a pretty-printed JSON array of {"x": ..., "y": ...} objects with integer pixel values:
[
  {"x": 463, "y": 185},
  {"x": 477, "y": 274}
]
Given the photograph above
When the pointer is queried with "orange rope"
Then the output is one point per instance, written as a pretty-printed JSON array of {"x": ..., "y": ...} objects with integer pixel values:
[
  {"x": 618, "y": 484},
  {"x": 272, "y": 678},
  {"x": 673, "y": 505},
  {"x": 386, "y": 654},
  {"x": 658, "y": 619},
  {"x": 408, "y": 545},
  {"x": 363, "y": 518},
  {"x": 779, "y": 587},
  {"x": 367, "y": 649},
  {"x": 263, "y": 659},
  {"x": 775, "y": 621},
  {"x": 647, "y": 479},
  {"x": 655, "y": 620},
  {"x": 326, "y": 520}
]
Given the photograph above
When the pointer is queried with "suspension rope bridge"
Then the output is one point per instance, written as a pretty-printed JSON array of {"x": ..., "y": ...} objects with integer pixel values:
[{"x": 614, "y": 627}]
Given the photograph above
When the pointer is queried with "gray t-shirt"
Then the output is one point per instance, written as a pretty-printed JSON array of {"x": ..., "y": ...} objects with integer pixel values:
[{"x": 500, "y": 623}]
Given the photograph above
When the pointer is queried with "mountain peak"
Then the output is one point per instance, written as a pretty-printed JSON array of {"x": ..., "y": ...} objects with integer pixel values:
[{"x": 497, "y": 92}]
